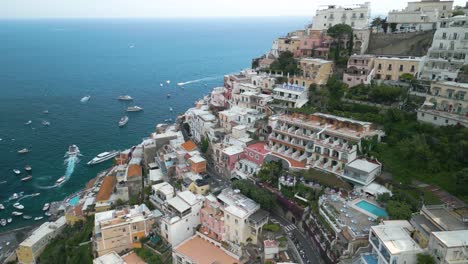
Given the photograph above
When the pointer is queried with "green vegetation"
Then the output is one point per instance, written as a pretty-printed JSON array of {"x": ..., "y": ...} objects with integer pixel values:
[
  {"x": 204, "y": 145},
  {"x": 382, "y": 94},
  {"x": 65, "y": 248},
  {"x": 377, "y": 22},
  {"x": 266, "y": 200},
  {"x": 458, "y": 13},
  {"x": 272, "y": 228},
  {"x": 424, "y": 258},
  {"x": 285, "y": 63},
  {"x": 148, "y": 255},
  {"x": 326, "y": 179},
  {"x": 341, "y": 33},
  {"x": 270, "y": 172}
]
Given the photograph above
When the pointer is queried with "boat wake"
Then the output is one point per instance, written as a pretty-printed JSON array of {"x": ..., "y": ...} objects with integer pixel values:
[
  {"x": 198, "y": 80},
  {"x": 70, "y": 162}
]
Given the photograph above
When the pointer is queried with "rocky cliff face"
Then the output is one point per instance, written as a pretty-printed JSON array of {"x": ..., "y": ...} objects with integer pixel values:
[{"x": 401, "y": 44}]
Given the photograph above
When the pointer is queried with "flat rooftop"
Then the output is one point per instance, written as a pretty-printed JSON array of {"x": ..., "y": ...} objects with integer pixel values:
[
  {"x": 444, "y": 218},
  {"x": 395, "y": 235},
  {"x": 233, "y": 150},
  {"x": 457, "y": 238},
  {"x": 45, "y": 229},
  {"x": 200, "y": 251}
]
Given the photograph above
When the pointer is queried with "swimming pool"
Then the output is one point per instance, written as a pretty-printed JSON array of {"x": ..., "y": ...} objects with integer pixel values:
[
  {"x": 74, "y": 201},
  {"x": 373, "y": 209}
]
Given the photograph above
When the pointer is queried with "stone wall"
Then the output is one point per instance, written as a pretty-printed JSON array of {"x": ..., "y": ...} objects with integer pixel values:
[{"x": 401, "y": 44}]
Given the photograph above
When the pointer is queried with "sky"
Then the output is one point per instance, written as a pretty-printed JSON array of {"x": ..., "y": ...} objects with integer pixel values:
[{"x": 178, "y": 8}]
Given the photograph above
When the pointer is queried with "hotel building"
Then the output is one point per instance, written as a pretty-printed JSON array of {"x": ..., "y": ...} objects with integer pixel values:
[
  {"x": 391, "y": 68},
  {"x": 356, "y": 16},
  {"x": 360, "y": 70}
]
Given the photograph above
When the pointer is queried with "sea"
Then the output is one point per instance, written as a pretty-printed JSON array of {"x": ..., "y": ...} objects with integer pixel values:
[{"x": 52, "y": 64}]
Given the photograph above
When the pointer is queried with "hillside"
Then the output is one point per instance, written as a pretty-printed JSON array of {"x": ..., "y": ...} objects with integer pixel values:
[{"x": 402, "y": 44}]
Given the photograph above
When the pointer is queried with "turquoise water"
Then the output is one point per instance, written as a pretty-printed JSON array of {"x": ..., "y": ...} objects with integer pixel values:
[
  {"x": 370, "y": 259},
  {"x": 375, "y": 210},
  {"x": 52, "y": 64},
  {"x": 74, "y": 201}
]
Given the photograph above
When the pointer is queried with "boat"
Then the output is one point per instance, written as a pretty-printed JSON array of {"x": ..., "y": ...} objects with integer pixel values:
[
  {"x": 168, "y": 81},
  {"x": 28, "y": 123},
  {"x": 123, "y": 121},
  {"x": 9, "y": 220},
  {"x": 170, "y": 109},
  {"x": 161, "y": 84},
  {"x": 135, "y": 108},
  {"x": 27, "y": 178},
  {"x": 73, "y": 151},
  {"x": 85, "y": 99},
  {"x": 47, "y": 214},
  {"x": 16, "y": 171},
  {"x": 27, "y": 217},
  {"x": 45, "y": 123},
  {"x": 60, "y": 180},
  {"x": 15, "y": 213},
  {"x": 18, "y": 206},
  {"x": 125, "y": 98},
  {"x": 168, "y": 95},
  {"x": 37, "y": 218},
  {"x": 27, "y": 168},
  {"x": 24, "y": 151},
  {"x": 14, "y": 196},
  {"x": 3, "y": 222},
  {"x": 46, "y": 207},
  {"x": 45, "y": 112},
  {"x": 2, "y": 207},
  {"x": 103, "y": 157}
]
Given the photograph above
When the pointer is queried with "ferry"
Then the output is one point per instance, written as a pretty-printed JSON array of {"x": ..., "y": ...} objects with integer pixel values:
[
  {"x": 18, "y": 206},
  {"x": 123, "y": 121},
  {"x": 73, "y": 151},
  {"x": 24, "y": 151},
  {"x": 168, "y": 81},
  {"x": 15, "y": 213},
  {"x": 60, "y": 180},
  {"x": 27, "y": 168},
  {"x": 27, "y": 178},
  {"x": 46, "y": 207},
  {"x": 103, "y": 157},
  {"x": 168, "y": 95},
  {"x": 125, "y": 98},
  {"x": 85, "y": 99},
  {"x": 135, "y": 108}
]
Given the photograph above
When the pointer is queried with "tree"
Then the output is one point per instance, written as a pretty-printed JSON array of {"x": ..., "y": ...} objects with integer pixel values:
[
  {"x": 204, "y": 145},
  {"x": 393, "y": 27},
  {"x": 376, "y": 23},
  {"x": 458, "y": 12},
  {"x": 398, "y": 210},
  {"x": 424, "y": 258},
  {"x": 285, "y": 63},
  {"x": 407, "y": 77},
  {"x": 340, "y": 32},
  {"x": 383, "y": 198}
]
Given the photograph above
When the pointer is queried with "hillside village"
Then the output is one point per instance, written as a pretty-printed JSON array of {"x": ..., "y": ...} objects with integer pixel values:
[{"x": 320, "y": 153}]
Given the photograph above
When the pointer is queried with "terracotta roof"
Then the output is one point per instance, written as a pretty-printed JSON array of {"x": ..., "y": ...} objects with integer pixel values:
[
  {"x": 106, "y": 189},
  {"x": 293, "y": 163},
  {"x": 201, "y": 251},
  {"x": 258, "y": 147},
  {"x": 189, "y": 145},
  {"x": 134, "y": 170},
  {"x": 133, "y": 258}
]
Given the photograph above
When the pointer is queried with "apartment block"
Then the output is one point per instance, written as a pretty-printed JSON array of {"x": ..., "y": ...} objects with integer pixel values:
[
  {"x": 446, "y": 104},
  {"x": 121, "y": 230},
  {"x": 212, "y": 218},
  {"x": 290, "y": 96},
  {"x": 200, "y": 121},
  {"x": 313, "y": 71},
  {"x": 253, "y": 157},
  {"x": 391, "y": 68},
  {"x": 449, "y": 247},
  {"x": 357, "y": 16},
  {"x": 360, "y": 70}
]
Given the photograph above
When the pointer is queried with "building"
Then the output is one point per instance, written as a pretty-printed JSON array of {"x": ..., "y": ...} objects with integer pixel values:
[
  {"x": 316, "y": 44},
  {"x": 134, "y": 180},
  {"x": 271, "y": 249},
  {"x": 420, "y": 15},
  {"x": 391, "y": 242},
  {"x": 200, "y": 121},
  {"x": 356, "y": 16},
  {"x": 391, "y": 68},
  {"x": 290, "y": 95},
  {"x": 360, "y": 70},
  {"x": 447, "y": 54},
  {"x": 238, "y": 116},
  {"x": 254, "y": 155},
  {"x": 162, "y": 192},
  {"x": 322, "y": 141},
  {"x": 103, "y": 197},
  {"x": 446, "y": 104},
  {"x": 212, "y": 219},
  {"x": 197, "y": 164},
  {"x": 200, "y": 249},
  {"x": 121, "y": 230},
  {"x": 449, "y": 247},
  {"x": 181, "y": 217},
  {"x": 32, "y": 247},
  {"x": 313, "y": 71},
  {"x": 114, "y": 258},
  {"x": 199, "y": 186}
]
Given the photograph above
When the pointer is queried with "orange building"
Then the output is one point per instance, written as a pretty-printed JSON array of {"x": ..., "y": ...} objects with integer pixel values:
[{"x": 197, "y": 164}]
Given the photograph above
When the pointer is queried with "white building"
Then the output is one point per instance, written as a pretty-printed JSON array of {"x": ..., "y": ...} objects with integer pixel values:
[
  {"x": 449, "y": 247},
  {"x": 356, "y": 16},
  {"x": 182, "y": 216},
  {"x": 291, "y": 96},
  {"x": 448, "y": 51},
  {"x": 200, "y": 120},
  {"x": 239, "y": 116},
  {"x": 420, "y": 15},
  {"x": 391, "y": 243}
]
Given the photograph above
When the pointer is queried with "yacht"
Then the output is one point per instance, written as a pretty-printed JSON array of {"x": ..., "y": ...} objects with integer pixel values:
[
  {"x": 161, "y": 84},
  {"x": 18, "y": 206},
  {"x": 28, "y": 123},
  {"x": 123, "y": 121},
  {"x": 16, "y": 171},
  {"x": 168, "y": 81},
  {"x": 85, "y": 99},
  {"x": 3, "y": 222},
  {"x": 27, "y": 178},
  {"x": 2, "y": 207},
  {"x": 37, "y": 218},
  {"x": 125, "y": 98},
  {"x": 60, "y": 180},
  {"x": 15, "y": 213},
  {"x": 9, "y": 220},
  {"x": 24, "y": 151},
  {"x": 135, "y": 108},
  {"x": 46, "y": 123},
  {"x": 27, "y": 217},
  {"x": 73, "y": 151},
  {"x": 103, "y": 157},
  {"x": 15, "y": 196},
  {"x": 47, "y": 213},
  {"x": 27, "y": 168},
  {"x": 46, "y": 207}
]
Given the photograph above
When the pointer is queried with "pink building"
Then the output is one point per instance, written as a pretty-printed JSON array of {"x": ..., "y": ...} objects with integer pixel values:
[
  {"x": 254, "y": 155},
  {"x": 256, "y": 152},
  {"x": 212, "y": 219},
  {"x": 316, "y": 44},
  {"x": 231, "y": 155},
  {"x": 360, "y": 70}
]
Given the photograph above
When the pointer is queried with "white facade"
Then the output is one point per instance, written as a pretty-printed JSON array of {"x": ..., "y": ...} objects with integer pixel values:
[
  {"x": 200, "y": 120},
  {"x": 181, "y": 217},
  {"x": 449, "y": 247},
  {"x": 289, "y": 95},
  {"x": 448, "y": 51},
  {"x": 356, "y": 16}
]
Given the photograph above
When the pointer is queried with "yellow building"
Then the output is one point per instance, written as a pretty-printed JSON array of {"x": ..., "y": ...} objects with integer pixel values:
[
  {"x": 313, "y": 70},
  {"x": 199, "y": 187},
  {"x": 32, "y": 247},
  {"x": 74, "y": 214},
  {"x": 391, "y": 68},
  {"x": 121, "y": 230}
]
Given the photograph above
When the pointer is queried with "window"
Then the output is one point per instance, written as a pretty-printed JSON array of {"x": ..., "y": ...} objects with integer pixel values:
[
  {"x": 123, "y": 230},
  {"x": 466, "y": 35},
  {"x": 236, "y": 221},
  {"x": 134, "y": 227},
  {"x": 446, "y": 121},
  {"x": 422, "y": 114},
  {"x": 455, "y": 35},
  {"x": 412, "y": 68},
  {"x": 379, "y": 67},
  {"x": 257, "y": 157},
  {"x": 401, "y": 68},
  {"x": 361, "y": 15},
  {"x": 435, "y": 117},
  {"x": 389, "y": 67},
  {"x": 444, "y": 35},
  {"x": 444, "y": 8}
]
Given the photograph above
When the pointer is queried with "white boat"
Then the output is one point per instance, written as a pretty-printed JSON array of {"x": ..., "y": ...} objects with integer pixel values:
[
  {"x": 168, "y": 95},
  {"x": 123, "y": 121},
  {"x": 28, "y": 123},
  {"x": 18, "y": 206},
  {"x": 135, "y": 108},
  {"x": 15, "y": 196},
  {"x": 60, "y": 180},
  {"x": 15, "y": 213},
  {"x": 16, "y": 171},
  {"x": 46, "y": 207},
  {"x": 170, "y": 109},
  {"x": 35, "y": 194},
  {"x": 37, "y": 218},
  {"x": 161, "y": 84},
  {"x": 3, "y": 222},
  {"x": 85, "y": 99},
  {"x": 47, "y": 214},
  {"x": 27, "y": 217},
  {"x": 103, "y": 157},
  {"x": 73, "y": 151},
  {"x": 168, "y": 81},
  {"x": 27, "y": 168},
  {"x": 45, "y": 123},
  {"x": 45, "y": 112},
  {"x": 125, "y": 98},
  {"x": 9, "y": 220},
  {"x": 24, "y": 151},
  {"x": 2, "y": 207},
  {"x": 27, "y": 178}
]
